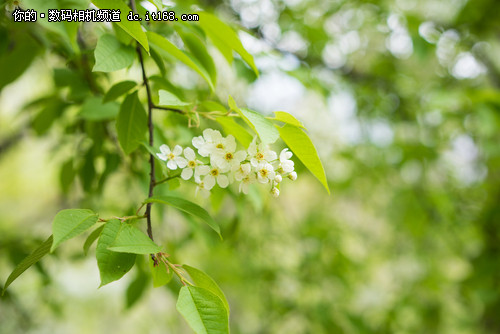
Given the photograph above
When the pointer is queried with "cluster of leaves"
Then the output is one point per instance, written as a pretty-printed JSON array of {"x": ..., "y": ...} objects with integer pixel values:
[{"x": 119, "y": 241}]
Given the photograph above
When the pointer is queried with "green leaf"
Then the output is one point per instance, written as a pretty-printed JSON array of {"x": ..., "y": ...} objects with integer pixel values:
[
  {"x": 118, "y": 90},
  {"x": 161, "y": 275},
  {"x": 112, "y": 265},
  {"x": 225, "y": 37},
  {"x": 186, "y": 206},
  {"x": 95, "y": 110},
  {"x": 69, "y": 223},
  {"x": 165, "y": 45},
  {"x": 170, "y": 100},
  {"x": 199, "y": 51},
  {"x": 285, "y": 117},
  {"x": 131, "y": 240},
  {"x": 17, "y": 58},
  {"x": 231, "y": 127},
  {"x": 298, "y": 141},
  {"x": 136, "y": 289},
  {"x": 131, "y": 124},
  {"x": 28, "y": 261},
  {"x": 158, "y": 4},
  {"x": 133, "y": 28},
  {"x": 203, "y": 311},
  {"x": 262, "y": 126},
  {"x": 91, "y": 238},
  {"x": 67, "y": 30},
  {"x": 67, "y": 175},
  {"x": 202, "y": 280},
  {"x": 111, "y": 55}
]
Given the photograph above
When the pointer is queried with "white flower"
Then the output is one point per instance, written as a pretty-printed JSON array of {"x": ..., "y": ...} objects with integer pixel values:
[
  {"x": 241, "y": 171},
  {"x": 247, "y": 181},
  {"x": 275, "y": 192},
  {"x": 173, "y": 158},
  {"x": 193, "y": 165},
  {"x": 292, "y": 176},
  {"x": 228, "y": 160},
  {"x": 265, "y": 172},
  {"x": 207, "y": 143},
  {"x": 278, "y": 178},
  {"x": 286, "y": 165},
  {"x": 260, "y": 153},
  {"x": 215, "y": 174},
  {"x": 203, "y": 188}
]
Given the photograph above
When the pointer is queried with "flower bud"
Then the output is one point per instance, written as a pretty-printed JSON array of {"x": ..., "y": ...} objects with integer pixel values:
[
  {"x": 275, "y": 192},
  {"x": 278, "y": 178},
  {"x": 292, "y": 176}
]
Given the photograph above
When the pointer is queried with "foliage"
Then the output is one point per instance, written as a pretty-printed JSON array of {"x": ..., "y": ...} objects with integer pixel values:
[{"x": 400, "y": 99}]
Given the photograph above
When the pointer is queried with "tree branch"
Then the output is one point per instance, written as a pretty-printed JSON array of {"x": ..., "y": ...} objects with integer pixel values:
[{"x": 152, "y": 180}]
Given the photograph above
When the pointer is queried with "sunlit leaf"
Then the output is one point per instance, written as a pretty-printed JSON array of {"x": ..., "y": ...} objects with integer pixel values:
[
  {"x": 133, "y": 28},
  {"x": 231, "y": 127},
  {"x": 285, "y": 117},
  {"x": 69, "y": 223},
  {"x": 202, "y": 280},
  {"x": 203, "y": 311},
  {"x": 224, "y": 36},
  {"x": 111, "y": 55},
  {"x": 262, "y": 126},
  {"x": 166, "y": 46},
  {"x": 131, "y": 240},
  {"x": 298, "y": 141},
  {"x": 170, "y": 100}
]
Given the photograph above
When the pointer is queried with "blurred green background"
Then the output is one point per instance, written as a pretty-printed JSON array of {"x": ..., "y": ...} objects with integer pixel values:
[{"x": 402, "y": 101}]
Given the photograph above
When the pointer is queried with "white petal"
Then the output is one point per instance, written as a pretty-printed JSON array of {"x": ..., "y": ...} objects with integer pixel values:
[
  {"x": 270, "y": 155},
  {"x": 230, "y": 144},
  {"x": 201, "y": 170},
  {"x": 177, "y": 150},
  {"x": 181, "y": 161},
  {"x": 171, "y": 165},
  {"x": 287, "y": 166},
  {"x": 186, "y": 173},
  {"x": 165, "y": 149},
  {"x": 198, "y": 142},
  {"x": 189, "y": 153},
  {"x": 161, "y": 156},
  {"x": 223, "y": 181},
  {"x": 209, "y": 182},
  {"x": 285, "y": 155},
  {"x": 240, "y": 156}
]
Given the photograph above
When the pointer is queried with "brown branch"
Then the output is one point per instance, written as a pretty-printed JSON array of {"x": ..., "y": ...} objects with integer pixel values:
[
  {"x": 179, "y": 111},
  {"x": 152, "y": 180}
]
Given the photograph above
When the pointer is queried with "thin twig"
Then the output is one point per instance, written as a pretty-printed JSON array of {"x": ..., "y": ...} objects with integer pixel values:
[{"x": 179, "y": 111}]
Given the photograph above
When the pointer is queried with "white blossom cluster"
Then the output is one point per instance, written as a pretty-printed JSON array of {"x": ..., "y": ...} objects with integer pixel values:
[{"x": 225, "y": 165}]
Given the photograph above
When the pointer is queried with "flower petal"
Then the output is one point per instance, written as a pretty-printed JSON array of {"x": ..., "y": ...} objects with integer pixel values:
[
  {"x": 189, "y": 153},
  {"x": 186, "y": 173},
  {"x": 223, "y": 181},
  {"x": 181, "y": 162},
  {"x": 165, "y": 149}
]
